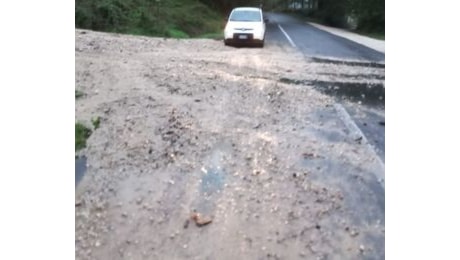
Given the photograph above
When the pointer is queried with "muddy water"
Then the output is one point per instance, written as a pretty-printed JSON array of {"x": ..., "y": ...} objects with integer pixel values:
[
  {"x": 80, "y": 169},
  {"x": 212, "y": 181}
]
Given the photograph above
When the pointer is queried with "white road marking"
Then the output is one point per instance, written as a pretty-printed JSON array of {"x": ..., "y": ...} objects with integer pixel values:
[
  {"x": 287, "y": 36},
  {"x": 357, "y": 133}
]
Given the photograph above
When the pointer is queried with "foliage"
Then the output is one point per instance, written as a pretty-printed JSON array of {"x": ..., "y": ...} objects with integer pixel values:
[
  {"x": 78, "y": 94},
  {"x": 170, "y": 18},
  {"x": 81, "y": 134},
  {"x": 370, "y": 14},
  {"x": 174, "y": 33},
  {"x": 225, "y": 6},
  {"x": 216, "y": 36},
  {"x": 333, "y": 12}
]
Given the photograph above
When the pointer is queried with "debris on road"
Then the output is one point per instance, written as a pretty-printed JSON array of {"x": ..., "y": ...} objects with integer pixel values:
[
  {"x": 308, "y": 155},
  {"x": 359, "y": 139},
  {"x": 200, "y": 220},
  {"x": 186, "y": 223},
  {"x": 197, "y": 141}
]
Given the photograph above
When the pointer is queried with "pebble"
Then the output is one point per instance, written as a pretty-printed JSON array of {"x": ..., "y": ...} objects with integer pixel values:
[{"x": 354, "y": 233}]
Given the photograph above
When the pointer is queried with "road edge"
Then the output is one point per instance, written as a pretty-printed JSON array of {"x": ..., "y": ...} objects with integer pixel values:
[
  {"x": 379, "y": 169},
  {"x": 377, "y": 45}
]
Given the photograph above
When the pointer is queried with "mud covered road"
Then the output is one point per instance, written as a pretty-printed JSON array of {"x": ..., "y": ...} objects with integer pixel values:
[{"x": 241, "y": 136}]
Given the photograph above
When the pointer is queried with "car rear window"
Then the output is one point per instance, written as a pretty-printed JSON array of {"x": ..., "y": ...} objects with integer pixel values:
[{"x": 245, "y": 16}]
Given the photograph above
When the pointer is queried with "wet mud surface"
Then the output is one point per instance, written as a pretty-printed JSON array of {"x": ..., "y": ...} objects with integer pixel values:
[{"x": 215, "y": 131}]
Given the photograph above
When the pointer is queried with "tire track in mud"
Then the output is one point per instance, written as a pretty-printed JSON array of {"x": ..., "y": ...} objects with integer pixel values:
[
  {"x": 242, "y": 205},
  {"x": 226, "y": 227}
]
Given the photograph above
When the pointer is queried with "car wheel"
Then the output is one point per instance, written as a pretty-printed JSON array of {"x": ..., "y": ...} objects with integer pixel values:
[
  {"x": 261, "y": 45},
  {"x": 226, "y": 43}
]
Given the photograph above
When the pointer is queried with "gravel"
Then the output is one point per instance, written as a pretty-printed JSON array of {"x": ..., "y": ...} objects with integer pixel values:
[{"x": 171, "y": 108}]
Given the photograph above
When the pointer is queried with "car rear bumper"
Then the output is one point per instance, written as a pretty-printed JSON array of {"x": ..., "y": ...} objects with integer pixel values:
[{"x": 243, "y": 38}]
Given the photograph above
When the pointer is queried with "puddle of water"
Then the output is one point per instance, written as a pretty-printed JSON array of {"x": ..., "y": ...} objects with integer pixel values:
[
  {"x": 212, "y": 181},
  {"x": 80, "y": 168}
]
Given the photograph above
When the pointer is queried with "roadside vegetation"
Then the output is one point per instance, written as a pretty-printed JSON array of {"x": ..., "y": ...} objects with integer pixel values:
[
  {"x": 82, "y": 133},
  {"x": 165, "y": 18},
  {"x": 365, "y": 17},
  {"x": 206, "y": 18},
  {"x": 78, "y": 94},
  {"x": 378, "y": 35}
]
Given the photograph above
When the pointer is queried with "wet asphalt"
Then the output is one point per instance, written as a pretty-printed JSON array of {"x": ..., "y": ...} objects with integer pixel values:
[
  {"x": 365, "y": 105},
  {"x": 314, "y": 42}
]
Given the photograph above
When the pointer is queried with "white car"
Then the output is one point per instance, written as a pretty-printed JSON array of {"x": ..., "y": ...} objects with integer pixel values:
[{"x": 245, "y": 25}]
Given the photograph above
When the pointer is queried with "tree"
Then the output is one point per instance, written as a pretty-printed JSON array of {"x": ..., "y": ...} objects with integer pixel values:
[
  {"x": 332, "y": 12},
  {"x": 370, "y": 14}
]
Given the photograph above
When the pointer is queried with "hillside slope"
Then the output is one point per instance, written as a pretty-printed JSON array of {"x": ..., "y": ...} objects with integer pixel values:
[{"x": 179, "y": 18}]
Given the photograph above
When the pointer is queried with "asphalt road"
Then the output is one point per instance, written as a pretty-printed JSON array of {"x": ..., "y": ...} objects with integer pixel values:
[
  {"x": 368, "y": 112},
  {"x": 315, "y": 42}
]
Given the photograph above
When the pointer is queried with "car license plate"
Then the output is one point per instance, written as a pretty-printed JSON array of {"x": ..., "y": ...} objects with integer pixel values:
[{"x": 242, "y": 36}]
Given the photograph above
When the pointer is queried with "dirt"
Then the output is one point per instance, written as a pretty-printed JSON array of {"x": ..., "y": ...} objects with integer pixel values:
[{"x": 194, "y": 127}]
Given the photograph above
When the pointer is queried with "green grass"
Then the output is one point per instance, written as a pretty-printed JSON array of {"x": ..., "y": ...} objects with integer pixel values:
[
  {"x": 178, "y": 34},
  {"x": 176, "y": 19},
  {"x": 189, "y": 19},
  {"x": 216, "y": 35},
  {"x": 81, "y": 135},
  {"x": 78, "y": 94}
]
